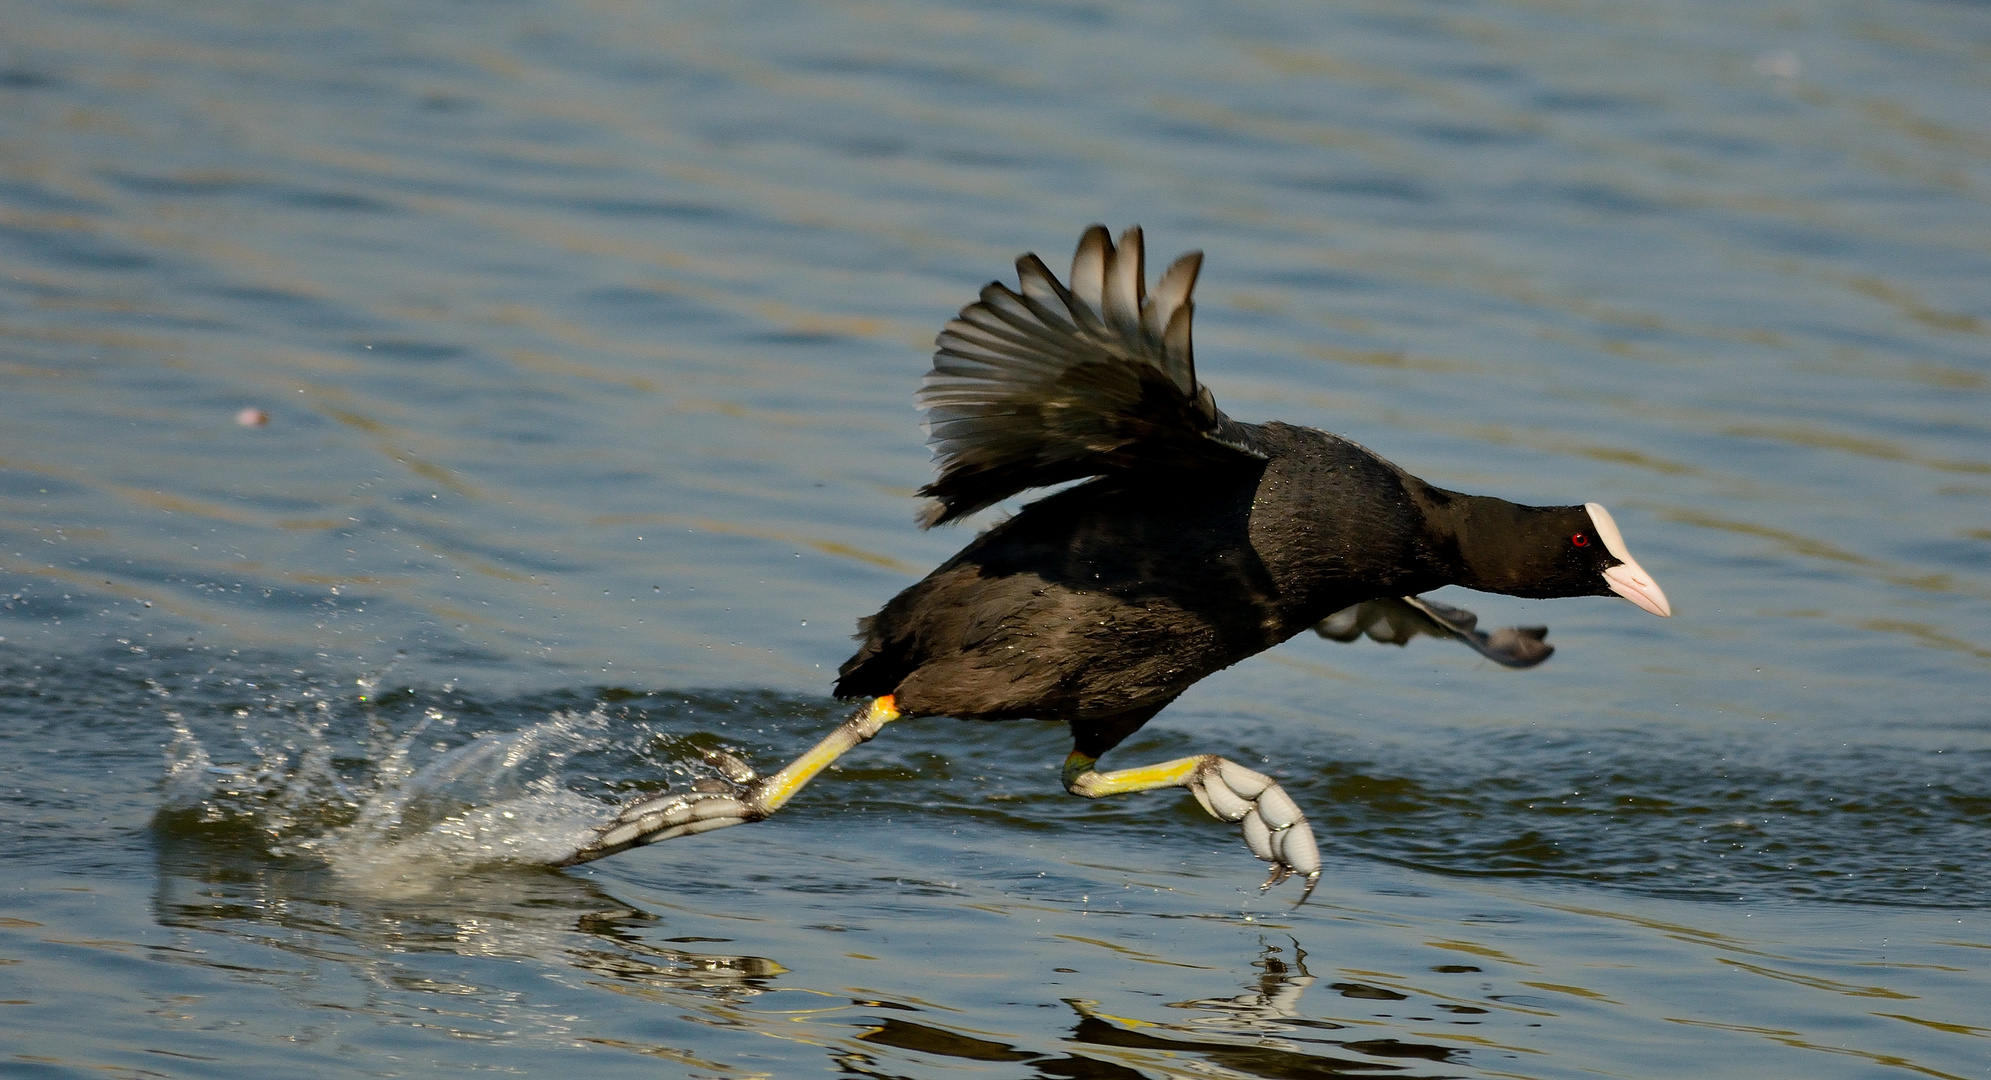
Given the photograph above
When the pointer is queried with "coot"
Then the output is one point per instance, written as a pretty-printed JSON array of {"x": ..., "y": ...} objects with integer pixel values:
[{"x": 1195, "y": 542}]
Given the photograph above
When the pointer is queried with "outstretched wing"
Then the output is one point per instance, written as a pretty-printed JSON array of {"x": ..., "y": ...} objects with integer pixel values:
[
  {"x": 1395, "y": 620},
  {"x": 1051, "y": 384}
]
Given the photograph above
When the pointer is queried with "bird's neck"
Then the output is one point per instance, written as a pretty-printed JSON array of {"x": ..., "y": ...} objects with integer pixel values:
[{"x": 1491, "y": 544}]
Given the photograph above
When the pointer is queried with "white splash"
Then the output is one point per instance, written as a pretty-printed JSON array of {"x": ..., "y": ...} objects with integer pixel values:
[
  {"x": 400, "y": 830},
  {"x": 496, "y": 799}
]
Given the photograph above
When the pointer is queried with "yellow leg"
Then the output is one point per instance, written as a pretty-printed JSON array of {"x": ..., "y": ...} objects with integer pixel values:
[
  {"x": 663, "y": 817},
  {"x": 774, "y": 792},
  {"x": 1081, "y": 780},
  {"x": 1274, "y": 828}
]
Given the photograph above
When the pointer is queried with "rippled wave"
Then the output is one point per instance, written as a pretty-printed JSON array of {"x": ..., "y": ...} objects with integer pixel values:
[{"x": 378, "y": 779}]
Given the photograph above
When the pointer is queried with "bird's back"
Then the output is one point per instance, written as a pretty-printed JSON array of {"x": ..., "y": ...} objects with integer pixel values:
[{"x": 1122, "y": 592}]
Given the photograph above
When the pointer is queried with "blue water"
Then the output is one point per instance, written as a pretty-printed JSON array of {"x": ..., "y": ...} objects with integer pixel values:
[{"x": 578, "y": 343}]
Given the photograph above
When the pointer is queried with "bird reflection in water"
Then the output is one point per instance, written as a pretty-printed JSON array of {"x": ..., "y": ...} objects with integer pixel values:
[{"x": 1261, "y": 1032}]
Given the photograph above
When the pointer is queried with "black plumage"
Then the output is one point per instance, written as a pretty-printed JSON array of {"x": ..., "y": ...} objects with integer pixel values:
[
  {"x": 1197, "y": 542},
  {"x": 1194, "y": 542}
]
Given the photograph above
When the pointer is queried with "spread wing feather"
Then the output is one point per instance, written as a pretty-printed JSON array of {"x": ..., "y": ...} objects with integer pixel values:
[
  {"x": 1397, "y": 619},
  {"x": 1043, "y": 384}
]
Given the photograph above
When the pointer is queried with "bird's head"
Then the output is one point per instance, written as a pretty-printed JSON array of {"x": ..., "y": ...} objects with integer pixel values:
[
  {"x": 1622, "y": 574},
  {"x": 1549, "y": 551}
]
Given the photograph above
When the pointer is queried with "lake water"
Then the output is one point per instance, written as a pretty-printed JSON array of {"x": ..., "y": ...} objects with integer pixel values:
[{"x": 586, "y": 333}]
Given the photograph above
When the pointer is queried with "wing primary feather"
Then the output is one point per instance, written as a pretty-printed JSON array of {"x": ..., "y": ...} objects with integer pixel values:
[
  {"x": 1178, "y": 356},
  {"x": 1125, "y": 284},
  {"x": 1089, "y": 268},
  {"x": 998, "y": 332},
  {"x": 1042, "y": 291},
  {"x": 1178, "y": 281},
  {"x": 1008, "y": 313},
  {"x": 1171, "y": 292},
  {"x": 1051, "y": 382}
]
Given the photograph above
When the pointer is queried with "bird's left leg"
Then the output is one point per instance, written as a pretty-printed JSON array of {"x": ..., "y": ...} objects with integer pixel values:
[
  {"x": 1274, "y": 828},
  {"x": 742, "y": 797}
]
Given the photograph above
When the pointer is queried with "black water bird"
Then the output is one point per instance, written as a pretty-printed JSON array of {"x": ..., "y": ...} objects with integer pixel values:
[{"x": 1195, "y": 542}]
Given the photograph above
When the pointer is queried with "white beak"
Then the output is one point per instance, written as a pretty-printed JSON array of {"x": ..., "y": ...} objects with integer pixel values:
[{"x": 1628, "y": 579}]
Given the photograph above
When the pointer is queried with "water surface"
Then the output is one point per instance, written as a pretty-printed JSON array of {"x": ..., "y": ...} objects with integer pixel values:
[{"x": 585, "y": 336}]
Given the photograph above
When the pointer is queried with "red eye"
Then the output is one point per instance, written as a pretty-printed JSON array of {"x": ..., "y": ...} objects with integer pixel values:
[{"x": 1580, "y": 540}]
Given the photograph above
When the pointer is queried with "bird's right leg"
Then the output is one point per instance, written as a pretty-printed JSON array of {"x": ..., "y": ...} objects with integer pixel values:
[
  {"x": 1274, "y": 828},
  {"x": 743, "y": 797}
]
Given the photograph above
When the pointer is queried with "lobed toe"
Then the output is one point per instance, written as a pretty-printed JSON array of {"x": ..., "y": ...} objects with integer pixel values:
[
  {"x": 1296, "y": 848},
  {"x": 1259, "y": 838},
  {"x": 1278, "y": 809},
  {"x": 1245, "y": 782},
  {"x": 1218, "y": 798}
]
